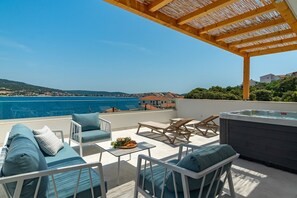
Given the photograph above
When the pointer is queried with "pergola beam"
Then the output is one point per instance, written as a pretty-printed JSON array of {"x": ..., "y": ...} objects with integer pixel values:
[
  {"x": 251, "y": 29},
  {"x": 158, "y": 4},
  {"x": 205, "y": 10},
  {"x": 282, "y": 41},
  {"x": 274, "y": 50},
  {"x": 261, "y": 37},
  {"x": 239, "y": 18},
  {"x": 140, "y": 9},
  {"x": 283, "y": 8}
]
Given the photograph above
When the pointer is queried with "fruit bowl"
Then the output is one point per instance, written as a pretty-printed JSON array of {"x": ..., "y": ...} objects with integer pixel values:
[{"x": 124, "y": 143}]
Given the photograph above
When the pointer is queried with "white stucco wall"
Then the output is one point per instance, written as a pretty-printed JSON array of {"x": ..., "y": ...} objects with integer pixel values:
[
  {"x": 118, "y": 120},
  {"x": 202, "y": 108},
  {"x": 186, "y": 108}
]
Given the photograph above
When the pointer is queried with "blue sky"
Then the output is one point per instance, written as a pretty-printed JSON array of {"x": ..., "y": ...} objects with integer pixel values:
[{"x": 92, "y": 45}]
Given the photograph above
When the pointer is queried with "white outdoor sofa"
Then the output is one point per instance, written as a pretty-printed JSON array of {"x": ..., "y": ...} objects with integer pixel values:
[{"x": 65, "y": 175}]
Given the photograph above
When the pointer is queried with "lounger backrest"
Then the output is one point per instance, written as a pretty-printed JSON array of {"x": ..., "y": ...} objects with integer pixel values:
[
  {"x": 181, "y": 122},
  {"x": 210, "y": 118}
]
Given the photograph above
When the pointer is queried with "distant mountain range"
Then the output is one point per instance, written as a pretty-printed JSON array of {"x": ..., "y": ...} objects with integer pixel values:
[{"x": 15, "y": 88}]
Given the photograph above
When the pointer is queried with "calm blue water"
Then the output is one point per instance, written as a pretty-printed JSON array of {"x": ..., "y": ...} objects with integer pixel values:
[{"x": 29, "y": 107}]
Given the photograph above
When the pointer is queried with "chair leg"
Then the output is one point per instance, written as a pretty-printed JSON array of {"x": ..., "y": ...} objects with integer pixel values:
[
  {"x": 205, "y": 133},
  {"x": 69, "y": 142},
  {"x": 136, "y": 192},
  {"x": 173, "y": 140},
  {"x": 138, "y": 129},
  {"x": 199, "y": 130},
  {"x": 100, "y": 157},
  {"x": 188, "y": 137},
  {"x": 168, "y": 138},
  {"x": 216, "y": 129},
  {"x": 231, "y": 186},
  {"x": 80, "y": 149}
]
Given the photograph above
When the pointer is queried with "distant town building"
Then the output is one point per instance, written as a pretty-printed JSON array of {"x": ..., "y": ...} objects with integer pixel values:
[
  {"x": 148, "y": 107},
  {"x": 157, "y": 101},
  {"x": 292, "y": 74},
  {"x": 282, "y": 76},
  {"x": 253, "y": 82},
  {"x": 269, "y": 78},
  {"x": 168, "y": 106},
  {"x": 154, "y": 100}
]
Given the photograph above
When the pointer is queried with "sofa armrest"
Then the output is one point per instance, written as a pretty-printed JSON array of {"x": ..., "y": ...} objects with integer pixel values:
[
  {"x": 6, "y": 139},
  {"x": 3, "y": 151},
  {"x": 105, "y": 125},
  {"x": 61, "y": 134},
  {"x": 19, "y": 179}
]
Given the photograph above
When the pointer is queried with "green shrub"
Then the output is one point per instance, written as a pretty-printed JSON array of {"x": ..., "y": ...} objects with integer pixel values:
[
  {"x": 280, "y": 90},
  {"x": 263, "y": 95},
  {"x": 290, "y": 96}
]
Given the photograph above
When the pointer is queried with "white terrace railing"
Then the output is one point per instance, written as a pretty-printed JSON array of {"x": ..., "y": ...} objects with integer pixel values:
[
  {"x": 119, "y": 120},
  {"x": 186, "y": 108}
]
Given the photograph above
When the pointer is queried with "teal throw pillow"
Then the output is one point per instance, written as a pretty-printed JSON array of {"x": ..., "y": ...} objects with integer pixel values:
[
  {"x": 88, "y": 121},
  {"x": 24, "y": 157},
  {"x": 20, "y": 129},
  {"x": 198, "y": 161}
]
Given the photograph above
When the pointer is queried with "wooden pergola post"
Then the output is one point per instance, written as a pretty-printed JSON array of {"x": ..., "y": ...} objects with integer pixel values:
[{"x": 246, "y": 77}]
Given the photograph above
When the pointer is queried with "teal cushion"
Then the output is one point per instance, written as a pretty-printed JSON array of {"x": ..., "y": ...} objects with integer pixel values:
[
  {"x": 23, "y": 157},
  {"x": 88, "y": 121},
  {"x": 158, "y": 172},
  {"x": 66, "y": 182},
  {"x": 198, "y": 161},
  {"x": 20, "y": 129},
  {"x": 65, "y": 153},
  {"x": 90, "y": 136}
]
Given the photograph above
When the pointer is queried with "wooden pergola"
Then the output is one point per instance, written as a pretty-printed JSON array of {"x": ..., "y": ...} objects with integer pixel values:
[{"x": 244, "y": 27}]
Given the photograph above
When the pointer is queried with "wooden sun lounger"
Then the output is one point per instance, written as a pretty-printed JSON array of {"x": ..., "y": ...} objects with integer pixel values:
[
  {"x": 177, "y": 129},
  {"x": 207, "y": 124}
]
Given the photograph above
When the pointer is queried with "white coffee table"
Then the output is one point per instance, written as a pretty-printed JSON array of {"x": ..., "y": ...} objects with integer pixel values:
[{"x": 141, "y": 146}]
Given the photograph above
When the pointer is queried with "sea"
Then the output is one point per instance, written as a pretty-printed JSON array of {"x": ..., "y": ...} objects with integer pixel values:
[{"x": 36, "y": 106}]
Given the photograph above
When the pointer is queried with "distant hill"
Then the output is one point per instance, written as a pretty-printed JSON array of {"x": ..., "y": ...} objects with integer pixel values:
[
  {"x": 15, "y": 88},
  {"x": 97, "y": 93},
  {"x": 20, "y": 86}
]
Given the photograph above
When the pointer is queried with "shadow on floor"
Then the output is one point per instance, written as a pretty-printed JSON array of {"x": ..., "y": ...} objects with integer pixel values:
[
  {"x": 127, "y": 173},
  {"x": 208, "y": 134},
  {"x": 162, "y": 138},
  {"x": 255, "y": 180},
  {"x": 88, "y": 149}
]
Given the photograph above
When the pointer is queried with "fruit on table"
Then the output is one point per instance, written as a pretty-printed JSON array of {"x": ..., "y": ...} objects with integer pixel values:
[{"x": 126, "y": 141}]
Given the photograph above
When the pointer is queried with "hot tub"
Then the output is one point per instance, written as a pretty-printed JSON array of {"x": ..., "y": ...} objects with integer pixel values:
[{"x": 265, "y": 136}]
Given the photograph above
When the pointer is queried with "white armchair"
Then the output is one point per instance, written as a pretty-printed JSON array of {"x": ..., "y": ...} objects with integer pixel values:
[
  {"x": 89, "y": 129},
  {"x": 173, "y": 179}
]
